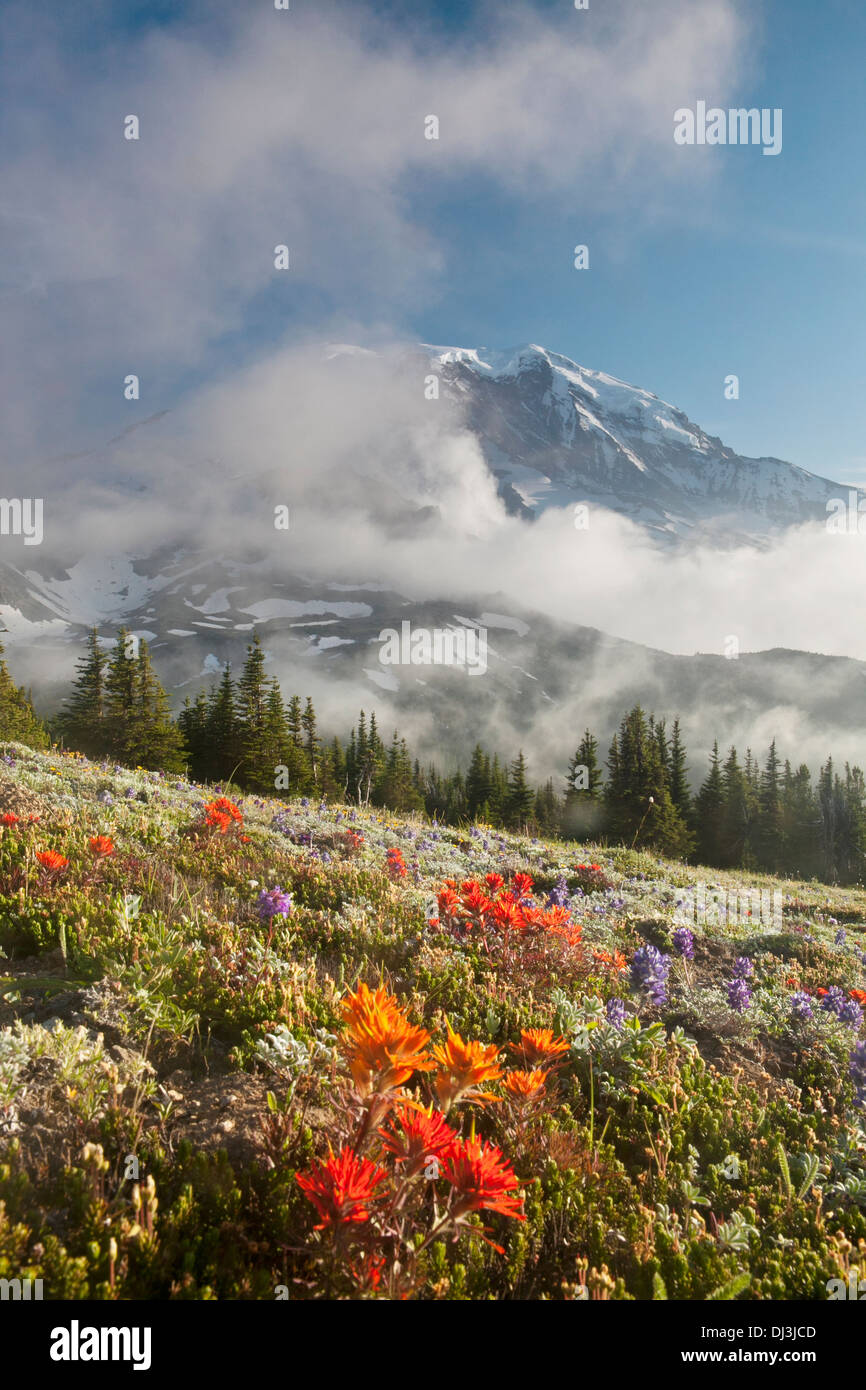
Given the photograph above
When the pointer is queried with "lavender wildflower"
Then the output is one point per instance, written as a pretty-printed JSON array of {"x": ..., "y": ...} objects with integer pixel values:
[
  {"x": 649, "y": 971},
  {"x": 801, "y": 1005},
  {"x": 273, "y": 903},
  {"x": 684, "y": 943},
  {"x": 839, "y": 938},
  {"x": 739, "y": 995},
  {"x": 559, "y": 896},
  {"x": 857, "y": 1069},
  {"x": 851, "y": 1012},
  {"x": 616, "y": 1015},
  {"x": 834, "y": 1000},
  {"x": 743, "y": 968}
]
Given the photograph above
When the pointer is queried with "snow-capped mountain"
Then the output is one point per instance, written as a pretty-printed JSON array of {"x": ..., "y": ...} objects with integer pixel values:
[
  {"x": 550, "y": 433},
  {"x": 555, "y": 433}
]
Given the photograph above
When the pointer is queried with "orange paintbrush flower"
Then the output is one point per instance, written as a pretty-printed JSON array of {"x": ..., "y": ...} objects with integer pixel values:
[
  {"x": 483, "y": 1180},
  {"x": 538, "y": 1047},
  {"x": 382, "y": 1047},
  {"x": 463, "y": 1067},
  {"x": 101, "y": 844},
  {"x": 521, "y": 885},
  {"x": 50, "y": 859},
  {"x": 10, "y": 818},
  {"x": 341, "y": 1188},
  {"x": 523, "y": 1086},
  {"x": 222, "y": 803},
  {"x": 617, "y": 961}
]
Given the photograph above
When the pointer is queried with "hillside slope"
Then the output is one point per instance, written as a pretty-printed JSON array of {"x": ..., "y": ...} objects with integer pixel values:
[{"x": 185, "y": 988}]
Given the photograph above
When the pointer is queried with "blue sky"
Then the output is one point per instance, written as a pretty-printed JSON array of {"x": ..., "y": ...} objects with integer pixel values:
[{"x": 731, "y": 262}]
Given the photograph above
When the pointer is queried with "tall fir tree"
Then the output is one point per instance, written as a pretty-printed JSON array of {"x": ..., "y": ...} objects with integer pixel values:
[
  {"x": 709, "y": 812},
  {"x": 519, "y": 801},
  {"x": 582, "y": 812},
  {"x": 82, "y": 719}
]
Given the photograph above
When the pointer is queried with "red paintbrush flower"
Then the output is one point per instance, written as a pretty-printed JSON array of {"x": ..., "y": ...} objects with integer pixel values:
[
  {"x": 50, "y": 859},
  {"x": 422, "y": 1135},
  {"x": 483, "y": 1179},
  {"x": 449, "y": 903},
  {"x": 521, "y": 884},
  {"x": 10, "y": 818},
  {"x": 475, "y": 902},
  {"x": 394, "y": 863},
  {"x": 341, "y": 1188},
  {"x": 494, "y": 882},
  {"x": 222, "y": 803},
  {"x": 101, "y": 844},
  {"x": 509, "y": 916}
]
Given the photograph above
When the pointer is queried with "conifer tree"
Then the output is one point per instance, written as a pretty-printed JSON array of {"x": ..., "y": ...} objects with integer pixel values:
[
  {"x": 120, "y": 699},
  {"x": 312, "y": 747},
  {"x": 478, "y": 785},
  {"x": 82, "y": 719},
  {"x": 519, "y": 800},
  {"x": 223, "y": 752},
  {"x": 252, "y": 695},
  {"x": 274, "y": 751},
  {"x": 733, "y": 832},
  {"x": 582, "y": 812},
  {"x": 709, "y": 812},
  {"x": 18, "y": 720},
  {"x": 152, "y": 739},
  {"x": 770, "y": 848},
  {"x": 678, "y": 774}
]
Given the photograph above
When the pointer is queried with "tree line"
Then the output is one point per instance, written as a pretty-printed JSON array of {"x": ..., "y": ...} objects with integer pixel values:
[{"x": 745, "y": 814}]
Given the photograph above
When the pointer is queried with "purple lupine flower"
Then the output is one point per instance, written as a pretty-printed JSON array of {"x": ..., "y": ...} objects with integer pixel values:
[
  {"x": 851, "y": 1013},
  {"x": 739, "y": 995},
  {"x": 684, "y": 943},
  {"x": 616, "y": 1015},
  {"x": 106, "y": 798},
  {"x": 273, "y": 903},
  {"x": 649, "y": 971},
  {"x": 801, "y": 1005},
  {"x": 839, "y": 938},
  {"x": 559, "y": 896},
  {"x": 857, "y": 1069},
  {"x": 743, "y": 968},
  {"x": 834, "y": 1000}
]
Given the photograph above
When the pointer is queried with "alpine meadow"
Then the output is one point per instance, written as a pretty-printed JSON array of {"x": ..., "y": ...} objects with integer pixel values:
[{"x": 432, "y": 795}]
